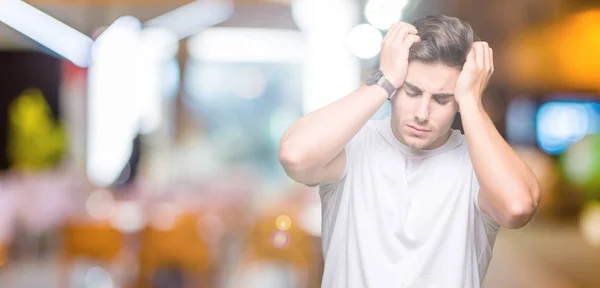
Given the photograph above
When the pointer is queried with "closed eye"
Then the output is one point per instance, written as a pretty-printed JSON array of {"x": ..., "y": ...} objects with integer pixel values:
[
  {"x": 411, "y": 94},
  {"x": 441, "y": 100}
]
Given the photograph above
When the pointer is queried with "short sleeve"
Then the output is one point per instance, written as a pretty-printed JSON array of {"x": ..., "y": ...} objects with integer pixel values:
[
  {"x": 353, "y": 150},
  {"x": 490, "y": 224}
]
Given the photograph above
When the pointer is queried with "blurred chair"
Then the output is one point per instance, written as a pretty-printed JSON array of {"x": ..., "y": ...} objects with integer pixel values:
[
  {"x": 179, "y": 248},
  {"x": 268, "y": 243},
  {"x": 96, "y": 241},
  {"x": 276, "y": 239}
]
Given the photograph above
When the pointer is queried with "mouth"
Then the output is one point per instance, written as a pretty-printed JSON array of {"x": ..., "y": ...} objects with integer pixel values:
[{"x": 417, "y": 130}]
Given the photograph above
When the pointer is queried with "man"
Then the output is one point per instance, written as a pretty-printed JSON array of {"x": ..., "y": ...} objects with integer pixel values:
[{"x": 407, "y": 201}]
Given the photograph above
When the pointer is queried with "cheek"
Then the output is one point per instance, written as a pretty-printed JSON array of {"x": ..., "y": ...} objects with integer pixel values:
[
  {"x": 444, "y": 117},
  {"x": 403, "y": 106}
]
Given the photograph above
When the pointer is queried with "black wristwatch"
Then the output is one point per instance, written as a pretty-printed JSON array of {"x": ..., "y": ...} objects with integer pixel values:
[{"x": 378, "y": 78}]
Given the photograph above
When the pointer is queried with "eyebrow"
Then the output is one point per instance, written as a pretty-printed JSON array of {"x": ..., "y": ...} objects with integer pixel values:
[{"x": 420, "y": 91}]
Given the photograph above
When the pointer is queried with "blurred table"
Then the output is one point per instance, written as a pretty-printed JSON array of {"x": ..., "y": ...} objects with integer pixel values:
[{"x": 543, "y": 254}]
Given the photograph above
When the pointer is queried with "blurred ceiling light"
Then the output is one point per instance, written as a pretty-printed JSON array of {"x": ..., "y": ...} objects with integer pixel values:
[
  {"x": 46, "y": 30},
  {"x": 325, "y": 26},
  {"x": 383, "y": 13},
  {"x": 125, "y": 28},
  {"x": 317, "y": 15},
  {"x": 364, "y": 41},
  {"x": 252, "y": 45},
  {"x": 113, "y": 105},
  {"x": 155, "y": 47},
  {"x": 193, "y": 17},
  {"x": 158, "y": 43}
]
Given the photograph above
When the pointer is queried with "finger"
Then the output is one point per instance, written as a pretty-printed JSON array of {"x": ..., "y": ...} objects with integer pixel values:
[
  {"x": 410, "y": 39},
  {"x": 390, "y": 32},
  {"x": 486, "y": 59},
  {"x": 404, "y": 30},
  {"x": 411, "y": 28},
  {"x": 491, "y": 61},
  {"x": 479, "y": 55},
  {"x": 471, "y": 56}
]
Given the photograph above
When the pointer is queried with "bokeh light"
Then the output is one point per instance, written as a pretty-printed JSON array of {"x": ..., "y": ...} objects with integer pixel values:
[
  {"x": 283, "y": 222},
  {"x": 383, "y": 13},
  {"x": 364, "y": 41},
  {"x": 128, "y": 217},
  {"x": 164, "y": 216},
  {"x": 280, "y": 239},
  {"x": 561, "y": 123},
  {"x": 100, "y": 205},
  {"x": 581, "y": 164},
  {"x": 589, "y": 223},
  {"x": 97, "y": 277}
]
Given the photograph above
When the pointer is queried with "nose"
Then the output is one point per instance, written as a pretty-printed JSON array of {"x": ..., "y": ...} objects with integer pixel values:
[{"x": 422, "y": 113}]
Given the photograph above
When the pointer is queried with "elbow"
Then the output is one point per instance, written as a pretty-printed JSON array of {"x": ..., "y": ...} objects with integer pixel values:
[
  {"x": 520, "y": 212},
  {"x": 291, "y": 159}
]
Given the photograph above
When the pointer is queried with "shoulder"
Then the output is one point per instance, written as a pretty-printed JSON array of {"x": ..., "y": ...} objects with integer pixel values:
[
  {"x": 370, "y": 133},
  {"x": 457, "y": 147}
]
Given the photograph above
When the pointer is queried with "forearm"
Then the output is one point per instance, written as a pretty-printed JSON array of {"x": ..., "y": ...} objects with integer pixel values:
[
  {"x": 315, "y": 139},
  {"x": 507, "y": 181}
]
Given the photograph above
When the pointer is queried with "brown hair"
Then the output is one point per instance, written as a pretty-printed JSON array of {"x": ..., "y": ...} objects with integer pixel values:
[{"x": 443, "y": 39}]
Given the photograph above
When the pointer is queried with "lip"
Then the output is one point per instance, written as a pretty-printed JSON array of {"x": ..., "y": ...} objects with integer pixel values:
[{"x": 417, "y": 130}]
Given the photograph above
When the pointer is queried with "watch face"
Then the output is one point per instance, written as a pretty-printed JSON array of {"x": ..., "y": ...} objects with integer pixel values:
[{"x": 374, "y": 77}]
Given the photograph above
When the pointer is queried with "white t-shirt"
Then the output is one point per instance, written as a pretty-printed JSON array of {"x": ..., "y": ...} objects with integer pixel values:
[{"x": 401, "y": 217}]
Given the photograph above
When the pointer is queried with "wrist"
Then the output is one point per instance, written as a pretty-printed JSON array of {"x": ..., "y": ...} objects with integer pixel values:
[
  {"x": 378, "y": 78},
  {"x": 379, "y": 92},
  {"x": 390, "y": 77},
  {"x": 467, "y": 103}
]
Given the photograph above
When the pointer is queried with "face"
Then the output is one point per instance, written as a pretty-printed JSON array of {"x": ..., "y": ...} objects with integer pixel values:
[{"x": 424, "y": 108}]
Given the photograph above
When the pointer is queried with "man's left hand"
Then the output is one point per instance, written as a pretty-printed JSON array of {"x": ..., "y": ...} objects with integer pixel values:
[{"x": 475, "y": 74}]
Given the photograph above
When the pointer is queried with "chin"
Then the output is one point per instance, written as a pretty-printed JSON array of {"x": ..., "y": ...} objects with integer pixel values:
[
  {"x": 417, "y": 143},
  {"x": 420, "y": 144}
]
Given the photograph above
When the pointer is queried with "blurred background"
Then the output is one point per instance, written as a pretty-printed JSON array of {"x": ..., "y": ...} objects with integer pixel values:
[{"x": 139, "y": 138}]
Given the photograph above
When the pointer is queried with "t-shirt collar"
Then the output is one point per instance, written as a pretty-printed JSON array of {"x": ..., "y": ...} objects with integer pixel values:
[{"x": 384, "y": 127}]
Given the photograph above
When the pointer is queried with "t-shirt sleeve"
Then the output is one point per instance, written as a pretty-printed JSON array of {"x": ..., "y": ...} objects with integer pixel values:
[
  {"x": 491, "y": 227},
  {"x": 353, "y": 148}
]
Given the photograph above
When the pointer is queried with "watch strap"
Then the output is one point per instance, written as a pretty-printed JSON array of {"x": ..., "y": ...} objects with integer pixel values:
[{"x": 387, "y": 85}]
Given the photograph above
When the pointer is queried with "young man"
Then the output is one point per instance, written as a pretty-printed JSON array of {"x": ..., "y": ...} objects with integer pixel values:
[{"x": 407, "y": 201}]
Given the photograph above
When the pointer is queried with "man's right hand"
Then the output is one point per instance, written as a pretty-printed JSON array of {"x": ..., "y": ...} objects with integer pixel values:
[{"x": 394, "y": 52}]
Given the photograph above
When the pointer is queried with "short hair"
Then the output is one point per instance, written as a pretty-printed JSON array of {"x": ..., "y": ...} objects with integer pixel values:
[{"x": 444, "y": 39}]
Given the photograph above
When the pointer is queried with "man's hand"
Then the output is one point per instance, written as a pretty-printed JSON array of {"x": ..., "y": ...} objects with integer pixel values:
[
  {"x": 394, "y": 52},
  {"x": 475, "y": 74}
]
